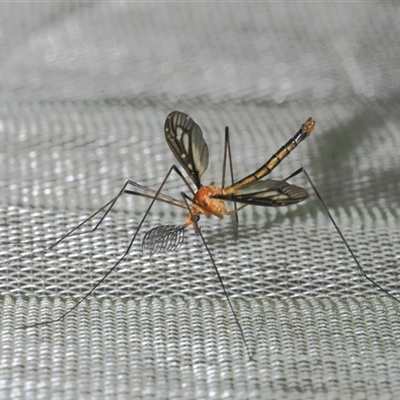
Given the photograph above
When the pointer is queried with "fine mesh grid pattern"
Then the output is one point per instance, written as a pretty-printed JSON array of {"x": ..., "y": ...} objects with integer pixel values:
[{"x": 85, "y": 90}]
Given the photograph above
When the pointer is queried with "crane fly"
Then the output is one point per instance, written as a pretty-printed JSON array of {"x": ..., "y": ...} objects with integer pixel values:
[{"x": 185, "y": 139}]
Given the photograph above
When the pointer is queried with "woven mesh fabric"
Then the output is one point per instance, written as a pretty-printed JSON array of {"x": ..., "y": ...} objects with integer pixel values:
[{"x": 85, "y": 90}]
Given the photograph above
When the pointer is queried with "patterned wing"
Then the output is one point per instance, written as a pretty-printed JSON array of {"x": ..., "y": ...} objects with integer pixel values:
[
  {"x": 186, "y": 141},
  {"x": 268, "y": 193}
]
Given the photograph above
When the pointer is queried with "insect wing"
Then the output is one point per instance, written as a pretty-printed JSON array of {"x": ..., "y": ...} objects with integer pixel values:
[
  {"x": 185, "y": 139},
  {"x": 164, "y": 238},
  {"x": 268, "y": 193}
]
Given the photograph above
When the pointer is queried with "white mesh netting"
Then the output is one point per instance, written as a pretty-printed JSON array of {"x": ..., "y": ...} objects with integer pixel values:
[{"x": 85, "y": 89}]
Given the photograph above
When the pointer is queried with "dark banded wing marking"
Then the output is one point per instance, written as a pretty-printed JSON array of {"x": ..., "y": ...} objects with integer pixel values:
[
  {"x": 268, "y": 193},
  {"x": 185, "y": 139}
]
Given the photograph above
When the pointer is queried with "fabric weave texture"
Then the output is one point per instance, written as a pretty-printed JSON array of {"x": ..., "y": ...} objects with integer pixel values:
[{"x": 85, "y": 88}]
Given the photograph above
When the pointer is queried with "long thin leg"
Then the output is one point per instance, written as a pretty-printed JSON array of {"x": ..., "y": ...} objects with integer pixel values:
[
  {"x": 161, "y": 198},
  {"x": 157, "y": 196},
  {"x": 100, "y": 281},
  {"x": 198, "y": 230},
  {"x": 166, "y": 199},
  {"x": 73, "y": 231},
  {"x": 363, "y": 273},
  {"x": 110, "y": 205},
  {"x": 295, "y": 173},
  {"x": 228, "y": 155},
  {"x": 151, "y": 197}
]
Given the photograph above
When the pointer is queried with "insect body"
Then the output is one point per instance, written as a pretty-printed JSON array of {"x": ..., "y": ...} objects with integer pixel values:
[{"x": 185, "y": 139}]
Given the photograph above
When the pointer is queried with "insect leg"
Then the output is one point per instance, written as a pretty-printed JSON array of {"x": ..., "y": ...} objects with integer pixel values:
[
  {"x": 295, "y": 173},
  {"x": 104, "y": 277},
  {"x": 73, "y": 231},
  {"x": 363, "y": 273},
  {"x": 161, "y": 196},
  {"x": 186, "y": 198},
  {"x": 228, "y": 155},
  {"x": 110, "y": 205}
]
